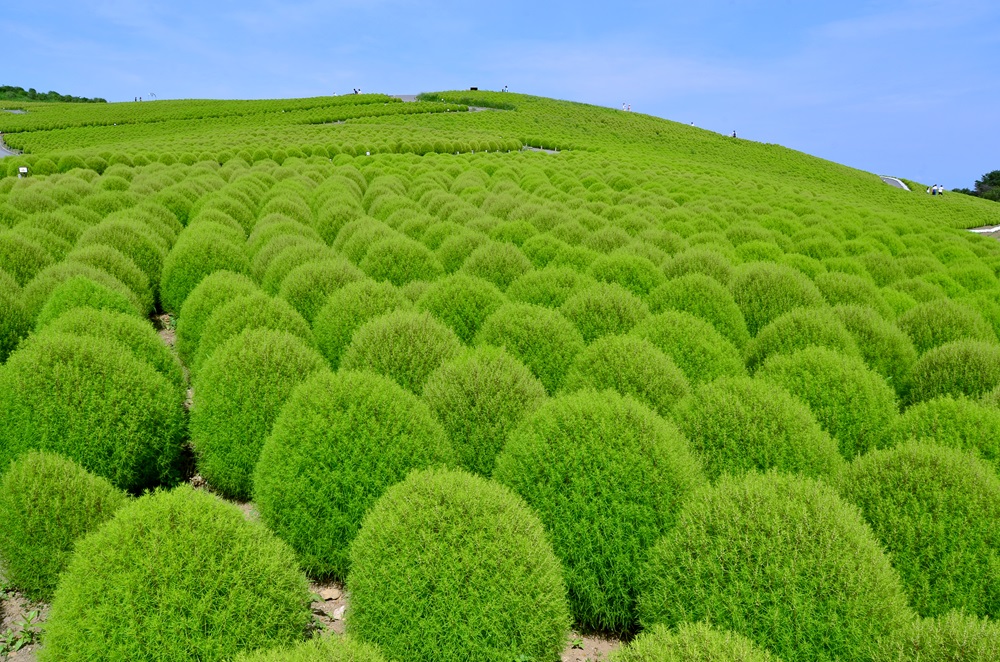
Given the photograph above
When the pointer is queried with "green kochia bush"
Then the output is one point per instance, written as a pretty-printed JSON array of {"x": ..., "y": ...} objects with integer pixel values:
[
  {"x": 961, "y": 367},
  {"x": 14, "y": 322},
  {"x": 480, "y": 397},
  {"x": 46, "y": 503},
  {"x": 541, "y": 338},
  {"x": 238, "y": 394},
  {"x": 404, "y": 345},
  {"x": 598, "y": 462},
  {"x": 694, "y": 345},
  {"x": 941, "y": 321},
  {"x": 955, "y": 422},
  {"x": 37, "y": 292},
  {"x": 690, "y": 642},
  {"x": 462, "y": 302},
  {"x": 81, "y": 292},
  {"x": 851, "y": 402},
  {"x": 953, "y": 637},
  {"x": 636, "y": 274},
  {"x": 549, "y": 287},
  {"x": 349, "y": 308},
  {"x": 887, "y": 350},
  {"x": 797, "y": 329},
  {"x": 764, "y": 291},
  {"x": 212, "y": 292},
  {"x": 308, "y": 286},
  {"x": 500, "y": 264},
  {"x": 401, "y": 260},
  {"x": 703, "y": 297},
  {"x": 338, "y": 443},
  {"x": 737, "y": 424},
  {"x": 781, "y": 560},
  {"x": 449, "y": 567},
  {"x": 199, "y": 251},
  {"x": 176, "y": 576},
  {"x": 93, "y": 402},
  {"x": 331, "y": 648},
  {"x": 937, "y": 512},
  {"x": 604, "y": 309},
  {"x": 631, "y": 366}
]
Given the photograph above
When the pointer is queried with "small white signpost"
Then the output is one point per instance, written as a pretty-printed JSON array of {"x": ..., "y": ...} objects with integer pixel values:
[{"x": 22, "y": 172}]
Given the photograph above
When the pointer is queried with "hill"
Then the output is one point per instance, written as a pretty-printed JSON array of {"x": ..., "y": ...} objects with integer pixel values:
[{"x": 12, "y": 93}]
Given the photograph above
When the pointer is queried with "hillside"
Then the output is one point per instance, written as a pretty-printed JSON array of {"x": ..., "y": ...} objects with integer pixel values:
[
  {"x": 14, "y": 93},
  {"x": 486, "y": 369}
]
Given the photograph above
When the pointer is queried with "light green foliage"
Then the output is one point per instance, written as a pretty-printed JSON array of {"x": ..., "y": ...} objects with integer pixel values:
[
  {"x": 631, "y": 366},
  {"x": 200, "y": 251},
  {"x": 699, "y": 260},
  {"x": 961, "y": 367},
  {"x": 337, "y": 444},
  {"x": 635, "y": 273},
  {"x": 22, "y": 258},
  {"x": 850, "y": 290},
  {"x": 852, "y": 403},
  {"x": 549, "y": 287},
  {"x": 703, "y": 297},
  {"x": 400, "y": 260},
  {"x": 81, "y": 292},
  {"x": 764, "y": 291},
  {"x": 782, "y": 546},
  {"x": 480, "y": 397},
  {"x": 93, "y": 402},
  {"x": 541, "y": 338},
  {"x": 738, "y": 425},
  {"x": 176, "y": 576},
  {"x": 955, "y": 422},
  {"x": 954, "y": 637},
  {"x": 35, "y": 295},
  {"x": 449, "y": 567},
  {"x": 462, "y": 302},
  {"x": 797, "y": 329},
  {"x": 597, "y": 461},
  {"x": 406, "y": 346},
  {"x": 330, "y": 648},
  {"x": 604, "y": 309},
  {"x": 212, "y": 292},
  {"x": 936, "y": 510},
  {"x": 308, "y": 287},
  {"x": 238, "y": 394},
  {"x": 885, "y": 349},
  {"x": 46, "y": 503},
  {"x": 941, "y": 321},
  {"x": 500, "y": 264},
  {"x": 349, "y": 308},
  {"x": 690, "y": 642},
  {"x": 112, "y": 262},
  {"x": 14, "y": 322},
  {"x": 133, "y": 240},
  {"x": 694, "y": 345}
]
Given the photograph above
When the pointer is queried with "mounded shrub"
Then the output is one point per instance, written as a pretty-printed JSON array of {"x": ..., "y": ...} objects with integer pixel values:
[
  {"x": 339, "y": 442},
  {"x": 46, "y": 503},
  {"x": 954, "y": 637},
  {"x": 797, "y": 329},
  {"x": 349, "y": 308},
  {"x": 783, "y": 546},
  {"x": 238, "y": 395},
  {"x": 885, "y": 349},
  {"x": 604, "y": 309},
  {"x": 703, "y": 297},
  {"x": 198, "y": 253},
  {"x": 636, "y": 274},
  {"x": 936, "y": 510},
  {"x": 549, "y": 287},
  {"x": 177, "y": 575},
  {"x": 851, "y": 402},
  {"x": 962, "y": 367},
  {"x": 331, "y": 648},
  {"x": 631, "y": 366},
  {"x": 400, "y": 260},
  {"x": 480, "y": 397},
  {"x": 133, "y": 240},
  {"x": 308, "y": 287},
  {"x": 81, "y": 292},
  {"x": 290, "y": 259},
  {"x": 37, "y": 292},
  {"x": 462, "y": 302},
  {"x": 941, "y": 321},
  {"x": 500, "y": 264},
  {"x": 696, "y": 260},
  {"x": 14, "y": 322},
  {"x": 451, "y": 567},
  {"x": 851, "y": 290},
  {"x": 955, "y": 422},
  {"x": 212, "y": 292},
  {"x": 406, "y": 346},
  {"x": 22, "y": 258},
  {"x": 738, "y": 425},
  {"x": 541, "y": 338},
  {"x": 93, "y": 402},
  {"x": 764, "y": 291},
  {"x": 690, "y": 642},
  {"x": 563, "y": 460},
  {"x": 694, "y": 345},
  {"x": 111, "y": 261}
]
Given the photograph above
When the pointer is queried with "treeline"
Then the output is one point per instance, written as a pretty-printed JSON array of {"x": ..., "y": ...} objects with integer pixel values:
[
  {"x": 988, "y": 187},
  {"x": 12, "y": 93}
]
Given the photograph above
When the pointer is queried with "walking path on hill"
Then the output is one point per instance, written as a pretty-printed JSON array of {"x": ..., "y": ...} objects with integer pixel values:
[
  {"x": 5, "y": 151},
  {"x": 898, "y": 183}
]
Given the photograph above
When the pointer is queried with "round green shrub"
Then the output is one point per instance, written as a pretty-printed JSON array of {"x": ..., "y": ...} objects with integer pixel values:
[
  {"x": 764, "y": 291},
  {"x": 549, "y": 287},
  {"x": 703, "y": 297},
  {"x": 797, "y": 329},
  {"x": 962, "y": 367},
  {"x": 400, "y": 260},
  {"x": 406, "y": 346},
  {"x": 46, "y": 503},
  {"x": 111, "y": 261},
  {"x": 81, "y": 292},
  {"x": 636, "y": 274},
  {"x": 238, "y": 394},
  {"x": 936, "y": 510},
  {"x": 197, "y": 253},
  {"x": 697, "y": 260},
  {"x": 738, "y": 425},
  {"x": 337, "y": 444},
  {"x": 852, "y": 403},
  {"x": 451, "y": 567},
  {"x": 329, "y": 648},
  {"x": 941, "y": 321},
  {"x": 954, "y": 637},
  {"x": 14, "y": 322},
  {"x": 212, "y": 292},
  {"x": 462, "y": 302},
  {"x": 349, "y": 308},
  {"x": 308, "y": 287},
  {"x": 604, "y": 309},
  {"x": 631, "y": 366},
  {"x": 290, "y": 259},
  {"x": 847, "y": 289},
  {"x": 541, "y": 338},
  {"x": 455, "y": 249},
  {"x": 177, "y": 575},
  {"x": 694, "y": 345},
  {"x": 22, "y": 258},
  {"x": 497, "y": 263},
  {"x": 781, "y": 560},
  {"x": 37, "y": 292},
  {"x": 564, "y": 459},
  {"x": 93, "y": 402},
  {"x": 954, "y": 422},
  {"x": 887, "y": 350},
  {"x": 690, "y": 642},
  {"x": 133, "y": 240},
  {"x": 253, "y": 311},
  {"x": 480, "y": 397}
]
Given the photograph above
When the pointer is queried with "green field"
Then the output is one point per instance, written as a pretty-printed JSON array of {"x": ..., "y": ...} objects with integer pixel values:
[{"x": 500, "y": 367}]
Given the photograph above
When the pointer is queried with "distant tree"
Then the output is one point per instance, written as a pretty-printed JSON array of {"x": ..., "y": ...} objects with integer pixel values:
[
  {"x": 988, "y": 187},
  {"x": 12, "y": 93}
]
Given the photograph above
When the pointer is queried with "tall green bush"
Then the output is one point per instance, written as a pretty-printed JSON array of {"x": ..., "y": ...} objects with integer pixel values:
[
  {"x": 400, "y": 260},
  {"x": 954, "y": 637},
  {"x": 955, "y": 422},
  {"x": 703, "y": 297},
  {"x": 308, "y": 286},
  {"x": 199, "y": 251},
  {"x": 797, "y": 329},
  {"x": 636, "y": 274},
  {"x": 604, "y": 309},
  {"x": 962, "y": 367},
  {"x": 941, "y": 321},
  {"x": 694, "y": 345},
  {"x": 885, "y": 349},
  {"x": 690, "y": 642},
  {"x": 462, "y": 302},
  {"x": 549, "y": 287},
  {"x": 14, "y": 322},
  {"x": 497, "y": 263},
  {"x": 212, "y": 292},
  {"x": 81, "y": 292},
  {"x": 348, "y": 309},
  {"x": 764, "y": 291}
]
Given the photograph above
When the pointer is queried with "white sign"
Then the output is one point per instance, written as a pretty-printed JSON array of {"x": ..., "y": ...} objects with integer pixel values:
[{"x": 23, "y": 170}]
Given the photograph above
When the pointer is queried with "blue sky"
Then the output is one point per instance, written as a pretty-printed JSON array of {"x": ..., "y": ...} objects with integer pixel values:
[{"x": 907, "y": 88}]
